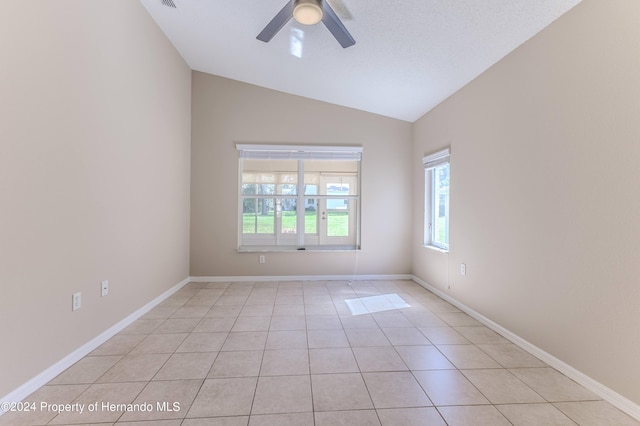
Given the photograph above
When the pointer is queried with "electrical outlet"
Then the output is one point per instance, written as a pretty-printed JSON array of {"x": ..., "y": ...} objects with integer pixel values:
[
  {"x": 76, "y": 301},
  {"x": 463, "y": 269},
  {"x": 262, "y": 259},
  {"x": 104, "y": 288}
]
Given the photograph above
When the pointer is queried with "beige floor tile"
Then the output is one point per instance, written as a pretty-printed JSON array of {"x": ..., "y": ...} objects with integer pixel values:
[
  {"x": 176, "y": 422},
  {"x": 595, "y": 413},
  {"x": 395, "y": 390},
  {"x": 423, "y": 358},
  {"x": 284, "y": 332},
  {"x": 395, "y": 320},
  {"x": 258, "y": 310},
  {"x": 106, "y": 393},
  {"x": 224, "y": 311},
  {"x": 553, "y": 386},
  {"x": 160, "y": 343},
  {"x": 449, "y": 387},
  {"x": 168, "y": 399},
  {"x": 285, "y": 362},
  {"x": 177, "y": 325},
  {"x": 208, "y": 293},
  {"x": 203, "y": 342},
  {"x": 218, "y": 421},
  {"x": 191, "y": 312},
  {"x": 467, "y": 356},
  {"x": 135, "y": 368},
  {"x": 286, "y": 299},
  {"x": 283, "y": 394},
  {"x": 327, "y": 339},
  {"x": 383, "y": 358},
  {"x": 294, "y": 419},
  {"x": 501, "y": 387},
  {"x": 481, "y": 335},
  {"x": 332, "y": 360},
  {"x": 87, "y": 370},
  {"x": 218, "y": 285},
  {"x": 323, "y": 322},
  {"x": 259, "y": 299},
  {"x": 288, "y": 323},
  {"x": 236, "y": 364},
  {"x": 185, "y": 366},
  {"x": 293, "y": 291},
  {"x": 318, "y": 299},
  {"x": 160, "y": 312},
  {"x": 321, "y": 309},
  {"x": 534, "y": 415},
  {"x": 478, "y": 415},
  {"x": 457, "y": 319},
  {"x": 252, "y": 323},
  {"x": 358, "y": 321},
  {"x": 444, "y": 336},
  {"x": 176, "y": 300},
  {"x": 509, "y": 355},
  {"x": 245, "y": 341},
  {"x": 410, "y": 417},
  {"x": 347, "y": 418},
  {"x": 225, "y": 300},
  {"x": 142, "y": 326},
  {"x": 294, "y": 339},
  {"x": 367, "y": 337},
  {"x": 424, "y": 319},
  {"x": 288, "y": 310},
  {"x": 120, "y": 344},
  {"x": 224, "y": 397},
  {"x": 215, "y": 325},
  {"x": 405, "y": 336},
  {"x": 332, "y": 392}
]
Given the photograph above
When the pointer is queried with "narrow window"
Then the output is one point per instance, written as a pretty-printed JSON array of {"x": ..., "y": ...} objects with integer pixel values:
[
  {"x": 299, "y": 197},
  {"x": 437, "y": 176}
]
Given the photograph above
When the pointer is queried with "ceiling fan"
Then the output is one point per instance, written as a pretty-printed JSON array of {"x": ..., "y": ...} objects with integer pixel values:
[{"x": 308, "y": 12}]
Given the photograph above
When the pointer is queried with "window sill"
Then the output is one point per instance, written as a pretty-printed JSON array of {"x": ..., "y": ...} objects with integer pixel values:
[
  {"x": 295, "y": 249},
  {"x": 434, "y": 248}
]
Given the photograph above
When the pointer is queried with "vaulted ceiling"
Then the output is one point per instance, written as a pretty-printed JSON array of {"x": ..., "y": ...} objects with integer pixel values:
[{"x": 409, "y": 55}]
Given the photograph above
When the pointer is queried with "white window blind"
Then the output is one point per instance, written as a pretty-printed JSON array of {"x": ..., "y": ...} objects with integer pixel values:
[
  {"x": 436, "y": 159},
  {"x": 299, "y": 152}
]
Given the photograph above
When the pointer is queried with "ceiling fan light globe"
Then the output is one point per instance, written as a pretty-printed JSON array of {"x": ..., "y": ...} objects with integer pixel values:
[{"x": 307, "y": 12}]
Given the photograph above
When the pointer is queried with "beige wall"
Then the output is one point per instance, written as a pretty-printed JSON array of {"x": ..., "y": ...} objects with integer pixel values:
[
  {"x": 225, "y": 112},
  {"x": 545, "y": 174},
  {"x": 94, "y": 173}
]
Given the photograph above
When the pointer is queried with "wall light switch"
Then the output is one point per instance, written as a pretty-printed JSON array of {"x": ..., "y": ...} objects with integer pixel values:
[
  {"x": 76, "y": 302},
  {"x": 104, "y": 288}
]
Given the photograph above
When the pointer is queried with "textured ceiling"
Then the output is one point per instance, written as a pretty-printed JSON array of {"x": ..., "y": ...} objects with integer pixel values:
[{"x": 409, "y": 55}]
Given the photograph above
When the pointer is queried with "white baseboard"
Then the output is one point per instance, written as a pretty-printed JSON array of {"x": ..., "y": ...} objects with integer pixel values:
[
  {"x": 302, "y": 278},
  {"x": 44, "y": 377},
  {"x": 607, "y": 394}
]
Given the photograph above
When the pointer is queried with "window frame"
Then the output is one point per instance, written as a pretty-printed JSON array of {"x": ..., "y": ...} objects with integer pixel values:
[
  {"x": 270, "y": 242},
  {"x": 432, "y": 163}
]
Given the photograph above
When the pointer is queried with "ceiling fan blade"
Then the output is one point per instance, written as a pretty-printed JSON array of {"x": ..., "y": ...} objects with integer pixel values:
[
  {"x": 277, "y": 23},
  {"x": 335, "y": 26}
]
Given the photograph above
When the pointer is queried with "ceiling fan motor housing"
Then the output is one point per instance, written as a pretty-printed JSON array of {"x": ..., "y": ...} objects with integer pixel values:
[{"x": 307, "y": 12}]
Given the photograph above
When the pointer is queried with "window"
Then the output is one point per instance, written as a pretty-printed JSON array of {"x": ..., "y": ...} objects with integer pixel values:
[
  {"x": 436, "y": 168},
  {"x": 299, "y": 197}
]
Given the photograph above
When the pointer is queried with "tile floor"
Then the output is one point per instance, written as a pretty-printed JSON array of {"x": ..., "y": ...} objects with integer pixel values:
[{"x": 292, "y": 353}]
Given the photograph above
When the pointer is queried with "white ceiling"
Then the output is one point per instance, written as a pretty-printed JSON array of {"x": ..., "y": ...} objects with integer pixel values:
[{"x": 409, "y": 55}]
